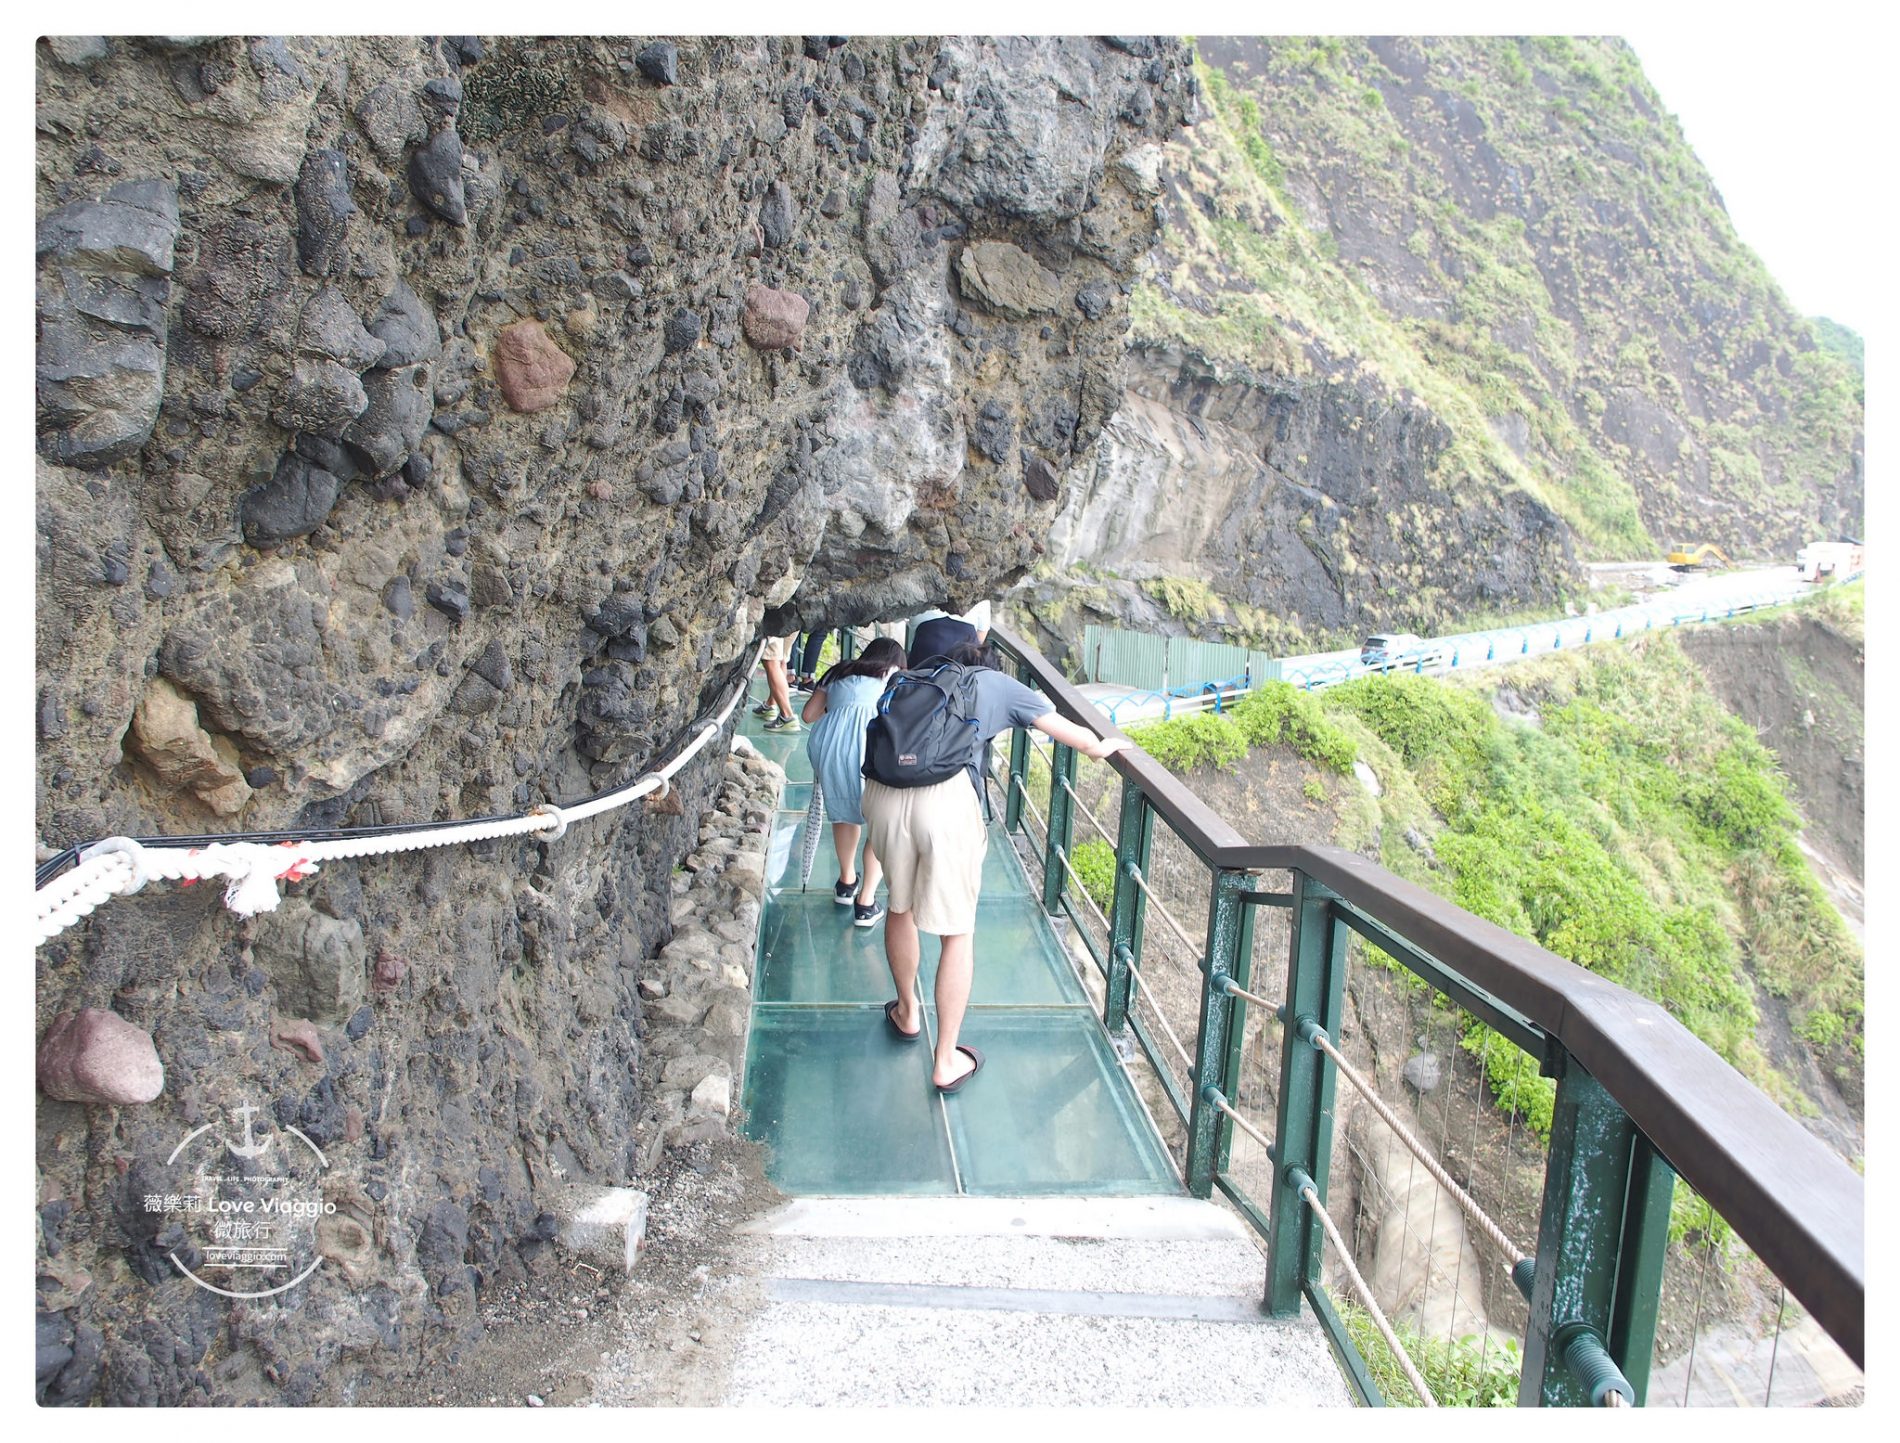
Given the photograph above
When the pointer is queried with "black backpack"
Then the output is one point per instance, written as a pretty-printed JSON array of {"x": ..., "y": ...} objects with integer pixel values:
[{"x": 925, "y": 730}]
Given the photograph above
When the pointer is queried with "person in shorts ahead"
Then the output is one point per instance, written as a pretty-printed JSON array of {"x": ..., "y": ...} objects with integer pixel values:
[
  {"x": 778, "y": 701},
  {"x": 931, "y": 840}
]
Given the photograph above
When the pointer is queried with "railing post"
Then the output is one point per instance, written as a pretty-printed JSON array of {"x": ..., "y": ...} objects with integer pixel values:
[
  {"x": 1600, "y": 1243},
  {"x": 1061, "y": 825},
  {"x": 1226, "y": 919},
  {"x": 1303, "y": 1132},
  {"x": 1129, "y": 909},
  {"x": 1018, "y": 766},
  {"x": 1236, "y": 1034},
  {"x": 1639, "y": 1270}
]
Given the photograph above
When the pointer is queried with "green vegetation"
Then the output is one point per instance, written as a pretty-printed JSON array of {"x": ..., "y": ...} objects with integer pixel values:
[
  {"x": 1186, "y": 598},
  {"x": 1841, "y": 341},
  {"x": 1639, "y": 830},
  {"x": 1693, "y": 1223},
  {"x": 1574, "y": 278},
  {"x": 1094, "y": 863},
  {"x": 1461, "y": 1373},
  {"x": 1274, "y": 713}
]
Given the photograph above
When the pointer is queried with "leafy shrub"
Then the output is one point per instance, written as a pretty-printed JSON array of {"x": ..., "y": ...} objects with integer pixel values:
[
  {"x": 1094, "y": 863},
  {"x": 1693, "y": 1221},
  {"x": 1204, "y": 739},
  {"x": 1419, "y": 717},
  {"x": 1517, "y": 1084},
  {"x": 1461, "y": 1373},
  {"x": 1738, "y": 799},
  {"x": 1277, "y": 711},
  {"x": 1313, "y": 789},
  {"x": 1822, "y": 1028}
]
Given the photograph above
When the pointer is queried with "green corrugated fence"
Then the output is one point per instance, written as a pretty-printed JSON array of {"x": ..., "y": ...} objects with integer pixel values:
[{"x": 1163, "y": 663}]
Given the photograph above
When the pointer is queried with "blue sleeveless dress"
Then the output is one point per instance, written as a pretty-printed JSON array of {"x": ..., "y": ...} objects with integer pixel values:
[{"x": 836, "y": 745}]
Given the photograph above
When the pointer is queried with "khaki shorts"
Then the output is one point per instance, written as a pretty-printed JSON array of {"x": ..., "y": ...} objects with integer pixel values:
[
  {"x": 777, "y": 648},
  {"x": 931, "y": 841}
]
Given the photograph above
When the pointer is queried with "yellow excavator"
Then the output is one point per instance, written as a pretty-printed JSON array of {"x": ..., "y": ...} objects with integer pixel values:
[{"x": 1684, "y": 557}]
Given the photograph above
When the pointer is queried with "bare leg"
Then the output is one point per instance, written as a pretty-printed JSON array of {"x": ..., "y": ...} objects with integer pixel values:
[
  {"x": 775, "y": 684},
  {"x": 844, "y": 836},
  {"x": 902, "y": 952},
  {"x": 955, "y": 963},
  {"x": 873, "y": 874}
]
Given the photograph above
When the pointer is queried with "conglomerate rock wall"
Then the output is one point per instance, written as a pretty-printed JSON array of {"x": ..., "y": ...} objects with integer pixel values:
[{"x": 427, "y": 426}]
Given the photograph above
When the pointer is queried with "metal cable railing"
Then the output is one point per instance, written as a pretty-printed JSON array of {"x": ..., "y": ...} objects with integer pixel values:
[
  {"x": 1318, "y": 1038},
  {"x": 1141, "y": 990},
  {"x": 1135, "y": 874},
  {"x": 1648, "y": 1101},
  {"x": 252, "y": 864},
  {"x": 1309, "y": 1195}
]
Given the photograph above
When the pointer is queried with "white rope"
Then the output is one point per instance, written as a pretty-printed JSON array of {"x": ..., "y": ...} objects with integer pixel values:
[{"x": 120, "y": 866}]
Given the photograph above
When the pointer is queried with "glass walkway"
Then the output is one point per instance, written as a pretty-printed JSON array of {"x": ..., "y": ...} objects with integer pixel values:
[{"x": 847, "y": 1109}]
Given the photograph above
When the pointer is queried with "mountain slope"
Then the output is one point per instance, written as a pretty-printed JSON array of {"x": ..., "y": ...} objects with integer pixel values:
[{"x": 1431, "y": 319}]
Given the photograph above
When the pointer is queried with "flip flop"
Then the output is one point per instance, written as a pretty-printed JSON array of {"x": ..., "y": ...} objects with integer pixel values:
[
  {"x": 890, "y": 1016},
  {"x": 976, "y": 1056}
]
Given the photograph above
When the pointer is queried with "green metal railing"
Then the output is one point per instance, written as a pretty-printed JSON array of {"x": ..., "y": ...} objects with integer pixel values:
[{"x": 1639, "y": 1100}]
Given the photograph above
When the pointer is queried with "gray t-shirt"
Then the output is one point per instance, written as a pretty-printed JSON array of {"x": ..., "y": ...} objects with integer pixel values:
[{"x": 1002, "y": 702}]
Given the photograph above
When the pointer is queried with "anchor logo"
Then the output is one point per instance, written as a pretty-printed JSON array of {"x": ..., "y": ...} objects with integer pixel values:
[{"x": 251, "y": 1146}]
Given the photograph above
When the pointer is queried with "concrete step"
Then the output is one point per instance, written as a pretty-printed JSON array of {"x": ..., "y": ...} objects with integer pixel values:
[{"x": 1006, "y": 1302}]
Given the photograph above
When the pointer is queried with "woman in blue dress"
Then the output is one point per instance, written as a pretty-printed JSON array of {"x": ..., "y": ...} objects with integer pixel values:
[{"x": 840, "y": 707}]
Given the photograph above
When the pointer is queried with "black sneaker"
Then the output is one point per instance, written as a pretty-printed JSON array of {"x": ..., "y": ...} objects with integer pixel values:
[
  {"x": 845, "y": 893},
  {"x": 765, "y": 708},
  {"x": 783, "y": 724},
  {"x": 863, "y": 916}
]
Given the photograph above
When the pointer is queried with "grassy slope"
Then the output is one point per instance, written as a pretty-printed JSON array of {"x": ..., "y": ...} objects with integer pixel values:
[
  {"x": 1639, "y": 830},
  {"x": 1539, "y": 324}
]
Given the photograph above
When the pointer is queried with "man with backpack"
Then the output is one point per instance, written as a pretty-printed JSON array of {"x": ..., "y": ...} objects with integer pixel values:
[{"x": 924, "y": 812}]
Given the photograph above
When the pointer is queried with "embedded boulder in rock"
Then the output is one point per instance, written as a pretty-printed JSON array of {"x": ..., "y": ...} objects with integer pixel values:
[
  {"x": 774, "y": 320},
  {"x": 530, "y": 369},
  {"x": 167, "y": 737},
  {"x": 435, "y": 175},
  {"x": 1006, "y": 280},
  {"x": 317, "y": 964},
  {"x": 294, "y": 502},
  {"x": 93, "y": 1055},
  {"x": 104, "y": 283}
]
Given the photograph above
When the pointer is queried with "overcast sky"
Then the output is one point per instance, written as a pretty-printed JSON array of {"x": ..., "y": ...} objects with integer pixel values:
[{"x": 1783, "y": 117}]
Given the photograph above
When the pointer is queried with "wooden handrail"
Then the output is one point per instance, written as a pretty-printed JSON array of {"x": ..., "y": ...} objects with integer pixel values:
[{"x": 1789, "y": 1197}]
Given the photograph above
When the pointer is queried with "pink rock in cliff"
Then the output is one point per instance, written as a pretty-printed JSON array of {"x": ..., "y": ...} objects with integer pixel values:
[
  {"x": 298, "y": 1035},
  {"x": 774, "y": 319},
  {"x": 531, "y": 369},
  {"x": 97, "y": 1056}
]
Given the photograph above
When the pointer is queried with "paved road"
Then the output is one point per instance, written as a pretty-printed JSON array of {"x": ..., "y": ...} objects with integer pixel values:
[{"x": 1689, "y": 598}]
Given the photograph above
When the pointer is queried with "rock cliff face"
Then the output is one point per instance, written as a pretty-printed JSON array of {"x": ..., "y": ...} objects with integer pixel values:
[
  {"x": 1428, "y": 316},
  {"x": 1304, "y": 508},
  {"x": 1800, "y": 681},
  {"x": 426, "y": 428}
]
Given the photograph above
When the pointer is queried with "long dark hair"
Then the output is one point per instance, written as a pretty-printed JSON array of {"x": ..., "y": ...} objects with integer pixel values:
[
  {"x": 879, "y": 657},
  {"x": 970, "y": 653}
]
